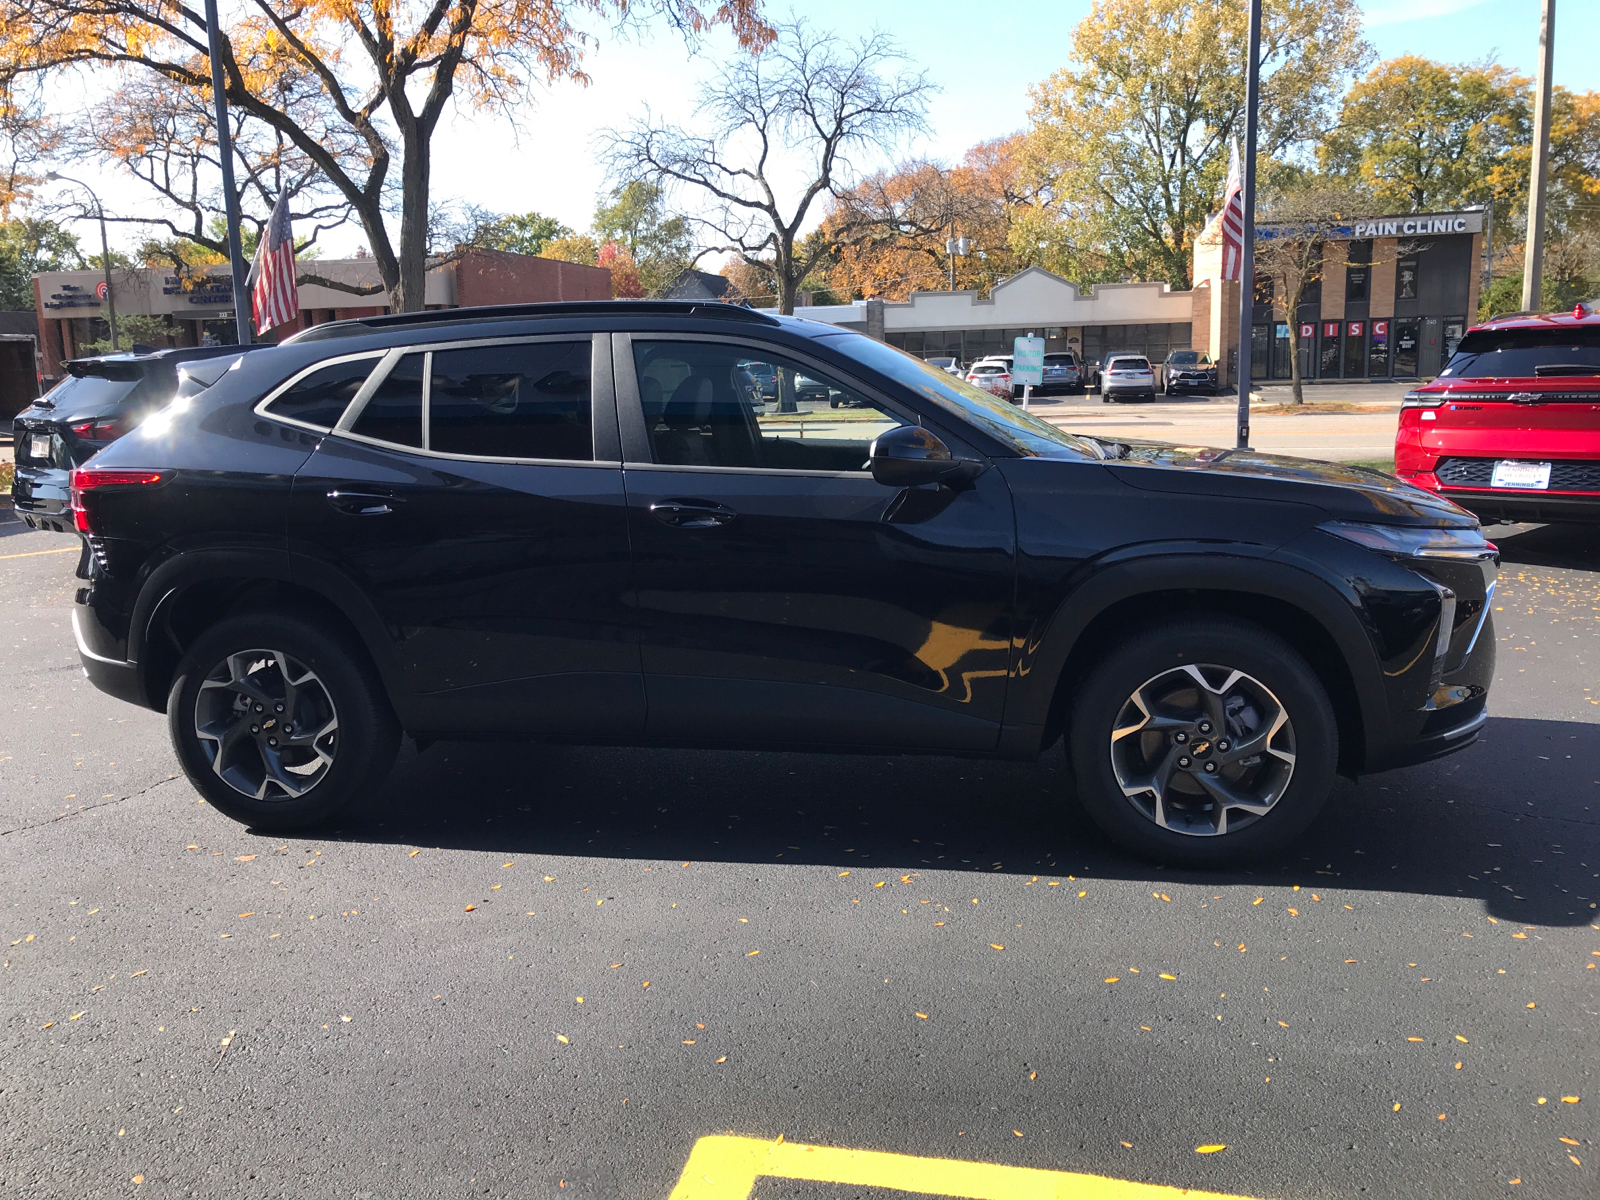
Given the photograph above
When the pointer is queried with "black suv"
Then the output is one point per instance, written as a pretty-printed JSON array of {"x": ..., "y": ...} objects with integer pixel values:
[
  {"x": 100, "y": 400},
  {"x": 565, "y": 522}
]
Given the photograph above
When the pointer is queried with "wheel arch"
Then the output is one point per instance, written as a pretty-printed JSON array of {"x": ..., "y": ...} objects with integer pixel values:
[
  {"x": 191, "y": 593},
  {"x": 1306, "y": 612}
]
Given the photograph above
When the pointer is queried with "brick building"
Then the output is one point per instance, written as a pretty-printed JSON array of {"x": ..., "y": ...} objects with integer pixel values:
[{"x": 198, "y": 307}]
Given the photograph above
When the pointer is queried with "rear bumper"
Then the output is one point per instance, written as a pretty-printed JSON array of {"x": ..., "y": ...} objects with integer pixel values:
[
  {"x": 1143, "y": 392},
  {"x": 42, "y": 496},
  {"x": 114, "y": 676}
]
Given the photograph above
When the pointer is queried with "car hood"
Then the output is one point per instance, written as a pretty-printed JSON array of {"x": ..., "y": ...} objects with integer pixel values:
[{"x": 1344, "y": 491}]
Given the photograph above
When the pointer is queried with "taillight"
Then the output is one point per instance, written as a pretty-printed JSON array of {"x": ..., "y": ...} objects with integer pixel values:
[
  {"x": 86, "y": 479},
  {"x": 104, "y": 429},
  {"x": 1423, "y": 399}
]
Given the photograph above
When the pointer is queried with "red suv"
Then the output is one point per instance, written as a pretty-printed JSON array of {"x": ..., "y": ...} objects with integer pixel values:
[{"x": 1510, "y": 429}]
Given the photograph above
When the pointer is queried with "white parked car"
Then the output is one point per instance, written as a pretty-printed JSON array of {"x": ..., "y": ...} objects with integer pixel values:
[
  {"x": 992, "y": 375},
  {"x": 949, "y": 365},
  {"x": 1127, "y": 377}
]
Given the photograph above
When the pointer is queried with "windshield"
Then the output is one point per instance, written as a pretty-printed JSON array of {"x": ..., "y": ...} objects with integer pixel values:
[
  {"x": 89, "y": 395},
  {"x": 1023, "y": 432},
  {"x": 1526, "y": 353},
  {"x": 1189, "y": 358}
]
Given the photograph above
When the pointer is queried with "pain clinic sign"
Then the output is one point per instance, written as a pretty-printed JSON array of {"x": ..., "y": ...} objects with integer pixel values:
[
  {"x": 100, "y": 290},
  {"x": 1413, "y": 226},
  {"x": 1380, "y": 332},
  {"x": 1307, "y": 330}
]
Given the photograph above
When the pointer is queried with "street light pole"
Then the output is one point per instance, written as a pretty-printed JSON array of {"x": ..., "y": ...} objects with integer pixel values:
[
  {"x": 1533, "y": 248},
  {"x": 105, "y": 250},
  {"x": 230, "y": 198},
  {"x": 1247, "y": 250}
]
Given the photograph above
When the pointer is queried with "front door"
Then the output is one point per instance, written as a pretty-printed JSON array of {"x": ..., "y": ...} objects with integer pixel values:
[
  {"x": 476, "y": 500},
  {"x": 784, "y": 596}
]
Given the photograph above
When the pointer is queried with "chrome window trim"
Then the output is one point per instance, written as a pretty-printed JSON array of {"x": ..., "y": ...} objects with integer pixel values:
[
  {"x": 260, "y": 408},
  {"x": 786, "y": 472},
  {"x": 393, "y": 356}
]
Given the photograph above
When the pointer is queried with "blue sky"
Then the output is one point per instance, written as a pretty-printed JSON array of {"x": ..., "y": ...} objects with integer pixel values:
[{"x": 983, "y": 56}]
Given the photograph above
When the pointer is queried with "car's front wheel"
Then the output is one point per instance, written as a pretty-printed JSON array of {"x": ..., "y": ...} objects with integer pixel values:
[
  {"x": 1204, "y": 742},
  {"x": 278, "y": 723}
]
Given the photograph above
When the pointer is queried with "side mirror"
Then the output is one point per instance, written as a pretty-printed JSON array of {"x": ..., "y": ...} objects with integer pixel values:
[{"x": 910, "y": 455}]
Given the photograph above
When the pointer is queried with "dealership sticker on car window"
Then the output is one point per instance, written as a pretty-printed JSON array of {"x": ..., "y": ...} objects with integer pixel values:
[{"x": 1520, "y": 475}]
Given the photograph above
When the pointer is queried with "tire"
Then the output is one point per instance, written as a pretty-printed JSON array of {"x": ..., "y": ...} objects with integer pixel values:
[
  {"x": 351, "y": 748},
  {"x": 1289, "y": 778}
]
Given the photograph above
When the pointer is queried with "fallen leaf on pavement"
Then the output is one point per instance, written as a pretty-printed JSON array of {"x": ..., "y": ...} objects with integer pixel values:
[
  {"x": 470, "y": 908},
  {"x": 923, "y": 1016},
  {"x": 562, "y": 1038},
  {"x": 244, "y": 858},
  {"x": 1210, "y": 1148}
]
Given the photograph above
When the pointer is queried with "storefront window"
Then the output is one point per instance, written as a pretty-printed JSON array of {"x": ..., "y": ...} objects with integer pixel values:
[
  {"x": 1358, "y": 272},
  {"x": 1405, "y": 279},
  {"x": 1355, "y": 349},
  {"x": 1454, "y": 329},
  {"x": 1260, "y": 351},
  {"x": 1378, "y": 349},
  {"x": 1328, "y": 367},
  {"x": 1407, "y": 334},
  {"x": 1280, "y": 350}
]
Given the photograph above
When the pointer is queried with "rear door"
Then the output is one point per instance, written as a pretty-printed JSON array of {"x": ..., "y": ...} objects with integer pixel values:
[
  {"x": 473, "y": 493},
  {"x": 784, "y": 596}
]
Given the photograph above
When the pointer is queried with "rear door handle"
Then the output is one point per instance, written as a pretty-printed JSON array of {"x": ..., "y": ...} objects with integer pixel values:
[
  {"x": 363, "y": 504},
  {"x": 691, "y": 514}
]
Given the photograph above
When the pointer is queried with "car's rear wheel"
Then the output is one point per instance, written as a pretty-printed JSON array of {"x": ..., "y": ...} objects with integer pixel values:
[
  {"x": 279, "y": 724},
  {"x": 1204, "y": 742}
]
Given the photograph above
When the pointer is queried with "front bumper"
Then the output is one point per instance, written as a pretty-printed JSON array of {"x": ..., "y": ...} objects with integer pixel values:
[
  {"x": 1541, "y": 507},
  {"x": 1192, "y": 384}
]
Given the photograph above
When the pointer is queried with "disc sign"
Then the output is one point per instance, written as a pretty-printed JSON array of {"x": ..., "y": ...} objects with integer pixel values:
[{"x": 1027, "y": 362}]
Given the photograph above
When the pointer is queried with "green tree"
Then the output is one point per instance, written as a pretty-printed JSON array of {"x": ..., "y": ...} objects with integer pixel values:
[
  {"x": 1129, "y": 142},
  {"x": 1424, "y": 135},
  {"x": 521, "y": 233},
  {"x": 636, "y": 219},
  {"x": 29, "y": 245}
]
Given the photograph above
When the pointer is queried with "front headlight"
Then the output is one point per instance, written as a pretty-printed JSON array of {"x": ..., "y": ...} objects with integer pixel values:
[{"x": 1409, "y": 541}]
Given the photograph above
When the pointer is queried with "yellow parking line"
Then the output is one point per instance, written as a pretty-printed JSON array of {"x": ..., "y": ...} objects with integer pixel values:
[
  {"x": 35, "y": 553},
  {"x": 726, "y": 1168}
]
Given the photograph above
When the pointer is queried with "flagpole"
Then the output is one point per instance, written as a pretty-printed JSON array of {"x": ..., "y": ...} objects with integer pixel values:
[
  {"x": 1247, "y": 250},
  {"x": 230, "y": 198}
]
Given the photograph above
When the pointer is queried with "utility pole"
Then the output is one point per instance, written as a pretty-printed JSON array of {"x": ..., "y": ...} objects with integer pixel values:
[
  {"x": 230, "y": 198},
  {"x": 1533, "y": 248},
  {"x": 1247, "y": 249}
]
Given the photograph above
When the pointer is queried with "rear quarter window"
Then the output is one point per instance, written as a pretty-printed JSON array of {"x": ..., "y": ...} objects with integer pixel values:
[{"x": 320, "y": 397}]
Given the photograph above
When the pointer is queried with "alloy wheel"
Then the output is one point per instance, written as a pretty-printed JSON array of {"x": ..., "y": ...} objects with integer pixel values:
[
  {"x": 1203, "y": 750},
  {"x": 267, "y": 724}
]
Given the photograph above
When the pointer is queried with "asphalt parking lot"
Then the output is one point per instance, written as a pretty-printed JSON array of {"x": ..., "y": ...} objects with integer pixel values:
[{"x": 525, "y": 971}]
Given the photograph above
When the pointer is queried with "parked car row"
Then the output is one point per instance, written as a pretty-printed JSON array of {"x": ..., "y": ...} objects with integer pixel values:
[{"x": 564, "y": 522}]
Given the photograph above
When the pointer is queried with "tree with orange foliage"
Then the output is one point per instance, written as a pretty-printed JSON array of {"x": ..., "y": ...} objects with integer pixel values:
[
  {"x": 625, "y": 283},
  {"x": 890, "y": 231},
  {"x": 385, "y": 69}
]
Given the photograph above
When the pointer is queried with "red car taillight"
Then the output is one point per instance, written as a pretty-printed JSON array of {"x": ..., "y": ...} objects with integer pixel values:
[
  {"x": 101, "y": 430},
  {"x": 87, "y": 480}
]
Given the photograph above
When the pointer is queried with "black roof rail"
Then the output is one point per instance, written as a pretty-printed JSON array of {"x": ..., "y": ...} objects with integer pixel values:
[{"x": 502, "y": 312}]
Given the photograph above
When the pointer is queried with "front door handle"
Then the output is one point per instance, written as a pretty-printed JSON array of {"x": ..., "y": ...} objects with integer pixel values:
[
  {"x": 363, "y": 504},
  {"x": 691, "y": 514}
]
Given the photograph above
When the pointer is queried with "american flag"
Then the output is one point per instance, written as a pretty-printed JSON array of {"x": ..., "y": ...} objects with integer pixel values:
[
  {"x": 276, "y": 299},
  {"x": 1231, "y": 221}
]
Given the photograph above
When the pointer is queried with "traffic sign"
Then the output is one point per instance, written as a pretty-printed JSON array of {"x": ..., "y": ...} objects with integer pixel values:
[{"x": 1027, "y": 362}]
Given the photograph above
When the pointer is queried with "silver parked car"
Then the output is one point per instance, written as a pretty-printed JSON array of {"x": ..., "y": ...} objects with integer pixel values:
[{"x": 1127, "y": 377}]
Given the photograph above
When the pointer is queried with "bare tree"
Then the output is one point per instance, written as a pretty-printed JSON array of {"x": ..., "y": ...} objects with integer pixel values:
[
  {"x": 810, "y": 98},
  {"x": 1293, "y": 229},
  {"x": 164, "y": 135}
]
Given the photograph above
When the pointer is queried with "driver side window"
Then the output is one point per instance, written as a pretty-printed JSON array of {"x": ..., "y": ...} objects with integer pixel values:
[{"x": 712, "y": 404}]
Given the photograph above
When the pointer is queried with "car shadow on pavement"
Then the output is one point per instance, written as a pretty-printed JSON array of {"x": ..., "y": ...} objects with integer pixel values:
[
  {"x": 1574, "y": 547},
  {"x": 1513, "y": 821}
]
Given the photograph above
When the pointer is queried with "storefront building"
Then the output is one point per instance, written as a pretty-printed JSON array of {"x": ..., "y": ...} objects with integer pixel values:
[
  {"x": 1140, "y": 318},
  {"x": 197, "y": 308},
  {"x": 1396, "y": 294}
]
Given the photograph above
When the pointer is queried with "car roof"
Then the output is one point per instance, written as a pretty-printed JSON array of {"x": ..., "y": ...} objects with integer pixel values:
[
  {"x": 444, "y": 318},
  {"x": 1586, "y": 314},
  {"x": 100, "y": 364}
]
